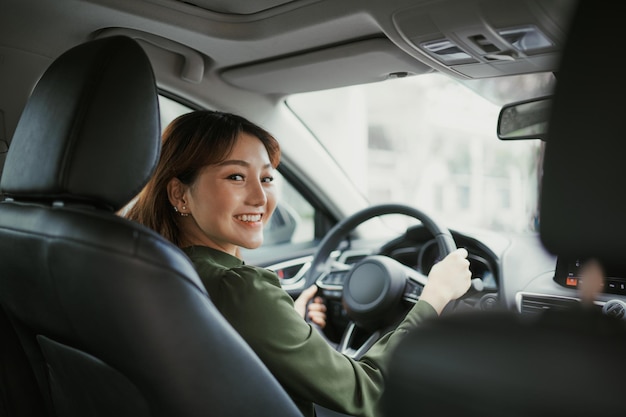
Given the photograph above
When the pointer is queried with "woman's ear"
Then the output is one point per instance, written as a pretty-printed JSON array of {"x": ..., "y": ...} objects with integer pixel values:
[{"x": 176, "y": 192}]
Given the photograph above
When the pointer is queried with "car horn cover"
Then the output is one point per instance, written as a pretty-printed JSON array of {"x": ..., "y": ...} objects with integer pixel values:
[{"x": 372, "y": 290}]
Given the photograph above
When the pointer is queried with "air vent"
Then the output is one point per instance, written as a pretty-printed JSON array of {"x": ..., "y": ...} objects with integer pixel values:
[
  {"x": 615, "y": 308},
  {"x": 535, "y": 304},
  {"x": 291, "y": 271}
]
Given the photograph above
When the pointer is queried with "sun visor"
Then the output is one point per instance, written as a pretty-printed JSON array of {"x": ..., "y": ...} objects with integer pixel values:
[{"x": 348, "y": 64}]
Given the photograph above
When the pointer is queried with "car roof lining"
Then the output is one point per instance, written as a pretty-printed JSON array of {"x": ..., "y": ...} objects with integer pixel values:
[
  {"x": 238, "y": 6},
  {"x": 250, "y": 60}
]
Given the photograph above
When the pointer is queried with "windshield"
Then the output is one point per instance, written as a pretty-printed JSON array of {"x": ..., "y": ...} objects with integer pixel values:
[{"x": 430, "y": 142}]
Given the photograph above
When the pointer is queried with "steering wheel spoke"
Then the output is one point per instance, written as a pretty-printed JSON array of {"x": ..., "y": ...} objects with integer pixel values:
[
  {"x": 333, "y": 280},
  {"x": 351, "y": 345}
]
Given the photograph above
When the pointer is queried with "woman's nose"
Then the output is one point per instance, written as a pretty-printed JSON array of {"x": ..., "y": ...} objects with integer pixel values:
[{"x": 256, "y": 193}]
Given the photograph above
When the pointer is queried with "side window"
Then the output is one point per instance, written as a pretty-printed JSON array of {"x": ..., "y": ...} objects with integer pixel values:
[
  {"x": 170, "y": 110},
  {"x": 293, "y": 219}
]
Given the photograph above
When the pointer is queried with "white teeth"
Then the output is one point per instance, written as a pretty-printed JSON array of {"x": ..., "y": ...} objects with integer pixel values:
[{"x": 250, "y": 217}]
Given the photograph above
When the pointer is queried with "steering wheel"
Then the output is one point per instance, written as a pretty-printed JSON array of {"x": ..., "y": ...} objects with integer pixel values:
[{"x": 372, "y": 289}]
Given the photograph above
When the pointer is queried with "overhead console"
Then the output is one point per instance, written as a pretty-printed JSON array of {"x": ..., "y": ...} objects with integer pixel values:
[{"x": 486, "y": 38}]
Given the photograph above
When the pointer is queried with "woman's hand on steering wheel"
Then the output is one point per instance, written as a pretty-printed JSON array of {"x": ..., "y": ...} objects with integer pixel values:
[
  {"x": 310, "y": 307},
  {"x": 447, "y": 280}
]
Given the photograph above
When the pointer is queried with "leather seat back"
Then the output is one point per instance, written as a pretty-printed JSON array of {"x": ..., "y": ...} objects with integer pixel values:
[{"x": 112, "y": 318}]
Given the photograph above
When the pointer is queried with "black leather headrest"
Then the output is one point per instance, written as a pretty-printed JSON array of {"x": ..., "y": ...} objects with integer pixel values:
[
  {"x": 77, "y": 139},
  {"x": 499, "y": 363},
  {"x": 583, "y": 203}
]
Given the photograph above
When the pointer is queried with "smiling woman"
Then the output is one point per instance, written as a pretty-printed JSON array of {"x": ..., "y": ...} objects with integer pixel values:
[
  {"x": 230, "y": 201},
  {"x": 211, "y": 194},
  {"x": 294, "y": 216},
  {"x": 185, "y": 165}
]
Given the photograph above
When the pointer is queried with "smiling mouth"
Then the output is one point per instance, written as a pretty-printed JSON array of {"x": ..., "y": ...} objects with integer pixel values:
[{"x": 249, "y": 217}]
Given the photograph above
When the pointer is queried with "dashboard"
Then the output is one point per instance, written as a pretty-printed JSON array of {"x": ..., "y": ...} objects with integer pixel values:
[
  {"x": 417, "y": 250},
  {"x": 516, "y": 271}
]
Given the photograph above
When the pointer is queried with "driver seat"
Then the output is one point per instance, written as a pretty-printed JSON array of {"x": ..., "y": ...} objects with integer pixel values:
[{"x": 109, "y": 319}]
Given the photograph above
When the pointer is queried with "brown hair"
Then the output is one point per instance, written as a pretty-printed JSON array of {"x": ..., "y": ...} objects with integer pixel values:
[{"x": 191, "y": 142}]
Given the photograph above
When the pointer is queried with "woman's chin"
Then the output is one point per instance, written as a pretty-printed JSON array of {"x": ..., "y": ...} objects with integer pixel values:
[{"x": 252, "y": 244}]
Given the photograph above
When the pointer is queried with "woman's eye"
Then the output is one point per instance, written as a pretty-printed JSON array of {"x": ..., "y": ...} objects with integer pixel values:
[
  {"x": 267, "y": 179},
  {"x": 236, "y": 177}
]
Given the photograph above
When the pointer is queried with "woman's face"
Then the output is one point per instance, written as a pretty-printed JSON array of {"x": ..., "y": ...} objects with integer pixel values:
[{"x": 230, "y": 203}]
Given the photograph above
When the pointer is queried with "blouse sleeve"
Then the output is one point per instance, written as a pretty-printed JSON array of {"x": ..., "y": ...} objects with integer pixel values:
[{"x": 252, "y": 300}]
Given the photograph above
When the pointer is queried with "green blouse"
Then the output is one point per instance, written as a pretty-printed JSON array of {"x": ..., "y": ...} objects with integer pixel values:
[{"x": 309, "y": 369}]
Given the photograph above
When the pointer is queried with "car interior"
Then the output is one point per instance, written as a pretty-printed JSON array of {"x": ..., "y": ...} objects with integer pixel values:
[
  {"x": 558, "y": 363},
  {"x": 101, "y": 316}
]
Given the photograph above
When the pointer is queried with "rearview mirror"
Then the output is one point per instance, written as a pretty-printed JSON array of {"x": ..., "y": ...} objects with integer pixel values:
[{"x": 525, "y": 119}]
